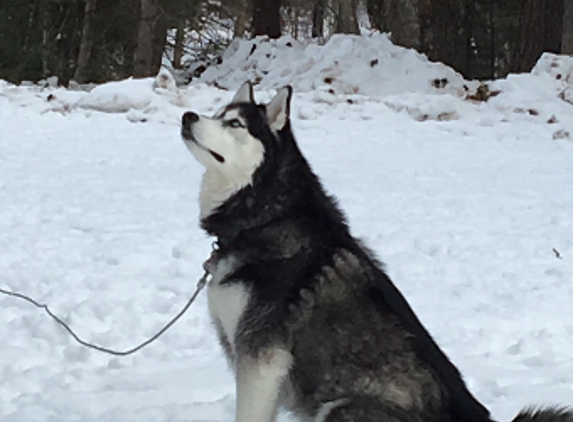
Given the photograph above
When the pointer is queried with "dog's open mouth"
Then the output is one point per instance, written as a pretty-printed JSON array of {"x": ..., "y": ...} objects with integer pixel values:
[
  {"x": 188, "y": 136},
  {"x": 216, "y": 156}
]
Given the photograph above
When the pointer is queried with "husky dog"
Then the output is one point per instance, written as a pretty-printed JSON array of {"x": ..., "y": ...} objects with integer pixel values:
[{"x": 307, "y": 317}]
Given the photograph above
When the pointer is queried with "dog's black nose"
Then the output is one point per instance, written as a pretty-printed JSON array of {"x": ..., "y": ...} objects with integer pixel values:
[{"x": 189, "y": 118}]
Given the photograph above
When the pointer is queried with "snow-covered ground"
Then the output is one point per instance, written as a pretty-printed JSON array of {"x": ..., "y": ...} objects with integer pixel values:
[{"x": 469, "y": 204}]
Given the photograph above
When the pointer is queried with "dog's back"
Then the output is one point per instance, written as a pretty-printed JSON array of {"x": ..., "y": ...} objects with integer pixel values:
[{"x": 354, "y": 353}]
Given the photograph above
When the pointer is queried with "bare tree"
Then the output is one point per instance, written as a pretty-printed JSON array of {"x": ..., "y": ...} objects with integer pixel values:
[
  {"x": 318, "y": 19},
  {"x": 159, "y": 42},
  {"x": 267, "y": 18},
  {"x": 398, "y": 17},
  {"x": 376, "y": 14},
  {"x": 59, "y": 22},
  {"x": 444, "y": 31},
  {"x": 553, "y": 22},
  {"x": 151, "y": 39},
  {"x": 81, "y": 73},
  {"x": 179, "y": 41},
  {"x": 243, "y": 15},
  {"x": 346, "y": 20},
  {"x": 541, "y": 30},
  {"x": 567, "y": 47}
]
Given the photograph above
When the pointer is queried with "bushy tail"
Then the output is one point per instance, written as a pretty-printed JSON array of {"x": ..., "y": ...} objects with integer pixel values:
[{"x": 549, "y": 414}]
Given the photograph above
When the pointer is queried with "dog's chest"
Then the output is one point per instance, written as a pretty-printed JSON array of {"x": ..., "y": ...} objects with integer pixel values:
[{"x": 227, "y": 302}]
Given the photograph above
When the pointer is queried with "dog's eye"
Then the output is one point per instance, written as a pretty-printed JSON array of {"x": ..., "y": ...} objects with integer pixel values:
[{"x": 235, "y": 123}]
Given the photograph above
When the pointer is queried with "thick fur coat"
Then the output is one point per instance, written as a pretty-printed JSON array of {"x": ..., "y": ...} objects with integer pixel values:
[{"x": 306, "y": 315}]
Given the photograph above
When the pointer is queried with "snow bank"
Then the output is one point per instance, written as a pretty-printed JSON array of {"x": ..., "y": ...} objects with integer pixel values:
[
  {"x": 561, "y": 69},
  {"x": 132, "y": 94},
  {"x": 348, "y": 67},
  {"x": 347, "y": 70},
  {"x": 545, "y": 95},
  {"x": 3, "y": 86},
  {"x": 119, "y": 96},
  {"x": 139, "y": 99},
  {"x": 558, "y": 66},
  {"x": 347, "y": 64}
]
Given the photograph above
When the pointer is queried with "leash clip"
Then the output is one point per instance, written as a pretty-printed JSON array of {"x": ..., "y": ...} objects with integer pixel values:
[{"x": 210, "y": 265}]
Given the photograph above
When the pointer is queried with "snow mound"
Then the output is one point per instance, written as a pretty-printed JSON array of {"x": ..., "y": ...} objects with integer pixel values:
[
  {"x": 138, "y": 98},
  {"x": 120, "y": 96},
  {"x": 559, "y": 67},
  {"x": 165, "y": 80},
  {"x": 3, "y": 86},
  {"x": 347, "y": 64},
  {"x": 544, "y": 95},
  {"x": 349, "y": 73},
  {"x": 133, "y": 94},
  {"x": 426, "y": 107}
]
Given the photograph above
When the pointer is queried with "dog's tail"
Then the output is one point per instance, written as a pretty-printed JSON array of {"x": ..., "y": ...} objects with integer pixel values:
[{"x": 548, "y": 414}]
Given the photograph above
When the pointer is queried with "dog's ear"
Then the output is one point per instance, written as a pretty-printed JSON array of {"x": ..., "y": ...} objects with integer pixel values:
[
  {"x": 244, "y": 94},
  {"x": 278, "y": 110}
]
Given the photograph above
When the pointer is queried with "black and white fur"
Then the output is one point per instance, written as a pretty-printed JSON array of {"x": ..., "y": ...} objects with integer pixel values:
[{"x": 306, "y": 315}]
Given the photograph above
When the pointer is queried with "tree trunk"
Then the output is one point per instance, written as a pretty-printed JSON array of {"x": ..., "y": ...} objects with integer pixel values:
[
  {"x": 442, "y": 33},
  {"x": 243, "y": 13},
  {"x": 541, "y": 30},
  {"x": 267, "y": 18},
  {"x": 375, "y": 10},
  {"x": 318, "y": 19},
  {"x": 129, "y": 38},
  {"x": 567, "y": 47},
  {"x": 554, "y": 11},
  {"x": 404, "y": 22},
  {"x": 470, "y": 41},
  {"x": 178, "y": 48},
  {"x": 59, "y": 23},
  {"x": 295, "y": 19},
  {"x": 143, "y": 60},
  {"x": 159, "y": 42},
  {"x": 81, "y": 73},
  {"x": 49, "y": 53},
  {"x": 398, "y": 17},
  {"x": 492, "y": 40},
  {"x": 346, "y": 21}
]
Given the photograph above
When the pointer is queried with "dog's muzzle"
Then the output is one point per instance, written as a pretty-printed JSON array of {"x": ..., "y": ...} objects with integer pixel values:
[{"x": 187, "y": 121}]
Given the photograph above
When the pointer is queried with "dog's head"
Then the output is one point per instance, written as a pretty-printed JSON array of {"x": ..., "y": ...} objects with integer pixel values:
[{"x": 232, "y": 144}]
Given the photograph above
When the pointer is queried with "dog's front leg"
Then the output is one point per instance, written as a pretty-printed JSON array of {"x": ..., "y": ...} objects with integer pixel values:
[{"x": 259, "y": 381}]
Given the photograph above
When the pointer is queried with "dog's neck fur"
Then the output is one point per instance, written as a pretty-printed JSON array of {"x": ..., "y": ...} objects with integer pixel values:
[
  {"x": 217, "y": 187},
  {"x": 241, "y": 211}
]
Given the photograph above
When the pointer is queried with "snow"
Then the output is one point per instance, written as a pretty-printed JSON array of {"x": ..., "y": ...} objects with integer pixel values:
[
  {"x": 378, "y": 67},
  {"x": 467, "y": 203},
  {"x": 119, "y": 96}
]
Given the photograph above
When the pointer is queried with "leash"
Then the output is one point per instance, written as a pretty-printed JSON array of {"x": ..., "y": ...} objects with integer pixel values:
[{"x": 208, "y": 267}]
